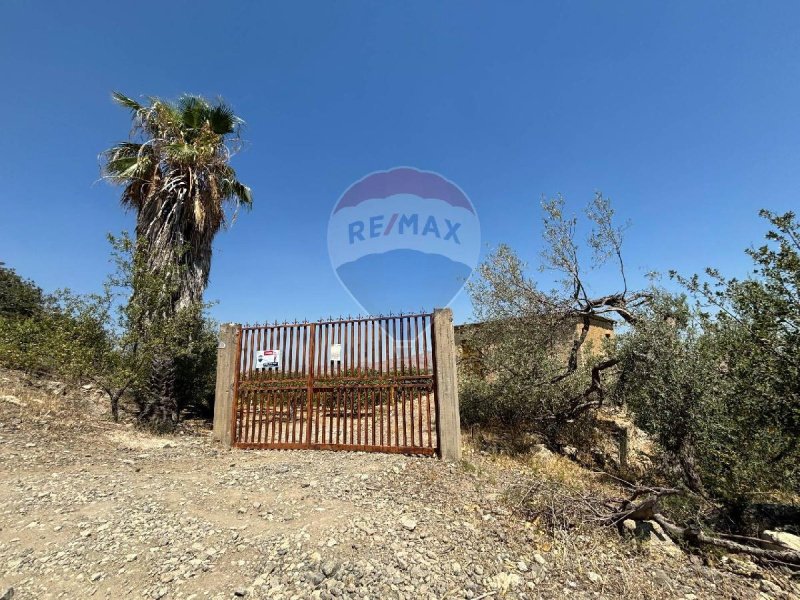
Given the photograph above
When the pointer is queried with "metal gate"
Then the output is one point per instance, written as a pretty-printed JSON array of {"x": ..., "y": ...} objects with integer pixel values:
[{"x": 354, "y": 384}]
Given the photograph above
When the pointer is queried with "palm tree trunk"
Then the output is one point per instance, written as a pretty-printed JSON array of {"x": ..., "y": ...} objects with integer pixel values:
[
  {"x": 158, "y": 406},
  {"x": 167, "y": 244}
]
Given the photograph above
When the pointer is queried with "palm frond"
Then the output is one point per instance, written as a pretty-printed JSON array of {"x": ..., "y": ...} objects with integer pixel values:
[
  {"x": 182, "y": 152},
  {"x": 125, "y": 101},
  {"x": 194, "y": 111},
  {"x": 126, "y": 160},
  {"x": 222, "y": 119}
]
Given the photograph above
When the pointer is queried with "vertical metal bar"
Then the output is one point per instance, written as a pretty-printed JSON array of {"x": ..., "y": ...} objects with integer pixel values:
[
  {"x": 296, "y": 341},
  {"x": 380, "y": 347},
  {"x": 341, "y": 354},
  {"x": 284, "y": 350},
  {"x": 410, "y": 392},
  {"x": 339, "y": 393},
  {"x": 389, "y": 398},
  {"x": 380, "y": 400},
  {"x": 394, "y": 346},
  {"x": 302, "y": 333},
  {"x": 246, "y": 347},
  {"x": 419, "y": 373},
  {"x": 323, "y": 403},
  {"x": 312, "y": 334},
  {"x": 347, "y": 416},
  {"x": 330, "y": 417},
  {"x": 405, "y": 427},
  {"x": 374, "y": 391},
  {"x": 396, "y": 416},
  {"x": 272, "y": 422},
  {"x": 293, "y": 413},
  {"x": 359, "y": 366},
  {"x": 256, "y": 348},
  {"x": 365, "y": 365},
  {"x": 403, "y": 343},
  {"x": 318, "y": 347},
  {"x": 280, "y": 394},
  {"x": 425, "y": 362},
  {"x": 344, "y": 343},
  {"x": 372, "y": 349},
  {"x": 325, "y": 350},
  {"x": 357, "y": 410},
  {"x": 260, "y": 396},
  {"x": 351, "y": 344},
  {"x": 248, "y": 434}
]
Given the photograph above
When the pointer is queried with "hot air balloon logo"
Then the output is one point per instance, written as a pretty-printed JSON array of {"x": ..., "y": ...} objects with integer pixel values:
[{"x": 403, "y": 239}]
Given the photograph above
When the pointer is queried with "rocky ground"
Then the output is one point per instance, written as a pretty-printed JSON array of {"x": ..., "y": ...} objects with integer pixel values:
[{"x": 89, "y": 508}]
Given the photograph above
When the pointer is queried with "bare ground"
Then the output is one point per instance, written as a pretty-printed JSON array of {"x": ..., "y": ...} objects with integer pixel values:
[{"x": 89, "y": 508}]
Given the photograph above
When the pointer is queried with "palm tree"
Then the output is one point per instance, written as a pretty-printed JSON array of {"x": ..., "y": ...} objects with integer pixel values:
[{"x": 176, "y": 176}]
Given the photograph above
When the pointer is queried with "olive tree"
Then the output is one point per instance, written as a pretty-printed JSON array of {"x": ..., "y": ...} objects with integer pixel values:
[
  {"x": 526, "y": 359},
  {"x": 717, "y": 382}
]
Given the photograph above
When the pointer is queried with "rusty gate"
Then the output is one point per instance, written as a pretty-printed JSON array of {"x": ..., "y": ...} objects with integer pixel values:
[{"x": 353, "y": 384}]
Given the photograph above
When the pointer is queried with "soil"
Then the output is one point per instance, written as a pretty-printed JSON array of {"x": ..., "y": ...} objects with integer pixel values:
[{"x": 92, "y": 508}]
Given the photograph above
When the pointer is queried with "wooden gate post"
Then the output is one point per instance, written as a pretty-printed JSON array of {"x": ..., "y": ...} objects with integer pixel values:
[
  {"x": 446, "y": 382},
  {"x": 223, "y": 394}
]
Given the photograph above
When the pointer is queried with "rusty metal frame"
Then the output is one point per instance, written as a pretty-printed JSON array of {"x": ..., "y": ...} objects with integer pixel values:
[{"x": 373, "y": 399}]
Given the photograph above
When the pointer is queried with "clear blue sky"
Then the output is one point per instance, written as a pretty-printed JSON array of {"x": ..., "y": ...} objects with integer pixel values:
[{"x": 687, "y": 114}]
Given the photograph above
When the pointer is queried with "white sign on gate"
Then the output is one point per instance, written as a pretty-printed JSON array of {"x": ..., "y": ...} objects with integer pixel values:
[
  {"x": 268, "y": 359},
  {"x": 336, "y": 352}
]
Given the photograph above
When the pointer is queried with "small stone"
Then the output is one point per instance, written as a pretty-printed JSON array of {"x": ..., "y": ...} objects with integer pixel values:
[
  {"x": 539, "y": 559},
  {"x": 787, "y": 540},
  {"x": 594, "y": 577},
  {"x": 329, "y": 567},
  {"x": 408, "y": 523},
  {"x": 240, "y": 592},
  {"x": 95, "y": 576},
  {"x": 522, "y": 566},
  {"x": 130, "y": 557},
  {"x": 629, "y": 525}
]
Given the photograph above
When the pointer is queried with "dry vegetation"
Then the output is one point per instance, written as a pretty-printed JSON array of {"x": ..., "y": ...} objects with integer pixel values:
[{"x": 93, "y": 507}]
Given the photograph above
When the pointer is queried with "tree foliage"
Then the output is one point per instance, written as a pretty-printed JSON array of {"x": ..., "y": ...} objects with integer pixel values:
[
  {"x": 175, "y": 172},
  {"x": 103, "y": 338},
  {"x": 527, "y": 359},
  {"x": 718, "y": 381},
  {"x": 18, "y": 297}
]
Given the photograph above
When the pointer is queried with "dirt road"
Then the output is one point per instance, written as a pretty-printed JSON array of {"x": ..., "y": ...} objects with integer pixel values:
[{"x": 89, "y": 508}]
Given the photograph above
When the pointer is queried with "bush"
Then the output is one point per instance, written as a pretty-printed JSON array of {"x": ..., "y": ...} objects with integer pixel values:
[
  {"x": 718, "y": 384},
  {"x": 527, "y": 362},
  {"x": 95, "y": 338},
  {"x": 19, "y": 298}
]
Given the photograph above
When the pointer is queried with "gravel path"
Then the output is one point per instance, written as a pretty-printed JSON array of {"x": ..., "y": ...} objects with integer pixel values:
[{"x": 90, "y": 508}]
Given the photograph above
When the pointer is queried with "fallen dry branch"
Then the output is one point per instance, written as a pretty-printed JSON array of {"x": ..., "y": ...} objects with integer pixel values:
[
  {"x": 648, "y": 510},
  {"x": 696, "y": 537}
]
